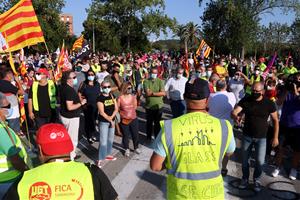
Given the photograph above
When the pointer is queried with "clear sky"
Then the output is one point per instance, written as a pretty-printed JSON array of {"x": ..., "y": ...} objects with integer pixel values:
[{"x": 183, "y": 10}]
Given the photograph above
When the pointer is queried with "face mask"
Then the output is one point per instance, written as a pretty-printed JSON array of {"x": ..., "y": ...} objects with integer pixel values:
[
  {"x": 106, "y": 90},
  {"x": 75, "y": 81},
  {"x": 280, "y": 82},
  {"x": 9, "y": 112},
  {"x": 203, "y": 74},
  {"x": 179, "y": 76},
  {"x": 129, "y": 74},
  {"x": 270, "y": 75},
  {"x": 38, "y": 77},
  {"x": 236, "y": 77},
  {"x": 208, "y": 73},
  {"x": 91, "y": 78},
  {"x": 198, "y": 74},
  {"x": 256, "y": 72},
  {"x": 78, "y": 69},
  {"x": 269, "y": 88},
  {"x": 153, "y": 76},
  {"x": 255, "y": 95}
]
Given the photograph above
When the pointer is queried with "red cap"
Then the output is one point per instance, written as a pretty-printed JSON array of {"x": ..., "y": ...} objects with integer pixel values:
[
  {"x": 54, "y": 139},
  {"x": 43, "y": 71}
]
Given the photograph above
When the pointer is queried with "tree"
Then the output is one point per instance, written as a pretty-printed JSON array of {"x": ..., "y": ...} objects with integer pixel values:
[
  {"x": 47, "y": 12},
  {"x": 232, "y": 25},
  {"x": 125, "y": 24}
]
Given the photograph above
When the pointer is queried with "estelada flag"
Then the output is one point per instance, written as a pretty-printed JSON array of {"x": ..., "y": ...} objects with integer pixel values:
[
  {"x": 60, "y": 63},
  {"x": 203, "y": 50},
  {"x": 78, "y": 43},
  {"x": 20, "y": 26}
]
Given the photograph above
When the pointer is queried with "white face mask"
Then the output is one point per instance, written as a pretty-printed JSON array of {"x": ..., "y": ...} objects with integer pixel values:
[
  {"x": 270, "y": 75},
  {"x": 269, "y": 88},
  {"x": 256, "y": 72},
  {"x": 38, "y": 77},
  {"x": 209, "y": 73}
]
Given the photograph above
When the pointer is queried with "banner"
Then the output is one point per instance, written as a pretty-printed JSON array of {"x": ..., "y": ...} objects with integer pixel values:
[
  {"x": 20, "y": 26},
  {"x": 203, "y": 50},
  {"x": 85, "y": 51}
]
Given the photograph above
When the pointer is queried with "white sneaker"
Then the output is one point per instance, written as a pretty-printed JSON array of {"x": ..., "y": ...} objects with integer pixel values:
[
  {"x": 127, "y": 153},
  {"x": 275, "y": 172},
  {"x": 293, "y": 174},
  {"x": 138, "y": 151}
]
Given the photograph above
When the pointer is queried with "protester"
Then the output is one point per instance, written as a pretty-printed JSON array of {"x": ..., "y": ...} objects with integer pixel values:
[
  {"x": 127, "y": 104},
  {"x": 290, "y": 122},
  {"x": 42, "y": 92},
  {"x": 154, "y": 91},
  {"x": 175, "y": 89},
  {"x": 103, "y": 74},
  {"x": 107, "y": 109},
  {"x": 90, "y": 90},
  {"x": 190, "y": 139},
  {"x": 12, "y": 154},
  {"x": 257, "y": 109},
  {"x": 55, "y": 146},
  {"x": 70, "y": 107},
  {"x": 236, "y": 85},
  {"x": 12, "y": 91}
]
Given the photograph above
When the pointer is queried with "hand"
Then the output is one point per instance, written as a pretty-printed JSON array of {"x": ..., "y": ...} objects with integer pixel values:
[
  {"x": 112, "y": 124},
  {"x": 83, "y": 101},
  {"x": 31, "y": 116},
  {"x": 275, "y": 142},
  {"x": 238, "y": 120}
]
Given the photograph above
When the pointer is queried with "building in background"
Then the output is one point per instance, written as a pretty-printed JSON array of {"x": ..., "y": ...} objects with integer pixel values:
[{"x": 68, "y": 20}]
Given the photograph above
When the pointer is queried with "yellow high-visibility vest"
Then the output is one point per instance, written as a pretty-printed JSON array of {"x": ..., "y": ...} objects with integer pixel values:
[
  {"x": 195, "y": 144},
  {"x": 57, "y": 180},
  {"x": 51, "y": 92},
  {"x": 7, "y": 172}
]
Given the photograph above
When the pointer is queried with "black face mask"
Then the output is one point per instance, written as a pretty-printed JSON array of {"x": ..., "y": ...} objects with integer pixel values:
[{"x": 255, "y": 95}]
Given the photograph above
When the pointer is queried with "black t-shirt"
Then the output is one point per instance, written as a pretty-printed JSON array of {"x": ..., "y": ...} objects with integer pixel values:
[
  {"x": 7, "y": 87},
  {"x": 67, "y": 93},
  {"x": 90, "y": 93},
  {"x": 109, "y": 106},
  {"x": 232, "y": 69},
  {"x": 103, "y": 190},
  {"x": 256, "y": 116},
  {"x": 43, "y": 101}
]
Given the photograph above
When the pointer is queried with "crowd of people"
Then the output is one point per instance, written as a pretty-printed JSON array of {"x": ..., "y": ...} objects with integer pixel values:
[{"x": 98, "y": 99}]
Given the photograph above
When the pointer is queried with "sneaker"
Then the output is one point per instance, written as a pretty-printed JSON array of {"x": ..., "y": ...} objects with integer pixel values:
[
  {"x": 275, "y": 172},
  {"x": 257, "y": 186},
  {"x": 138, "y": 151},
  {"x": 98, "y": 163},
  {"x": 110, "y": 158},
  {"x": 243, "y": 184},
  {"x": 293, "y": 174},
  {"x": 127, "y": 153}
]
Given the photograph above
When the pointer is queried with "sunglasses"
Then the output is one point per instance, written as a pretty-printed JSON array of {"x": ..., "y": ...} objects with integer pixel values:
[
  {"x": 6, "y": 107},
  {"x": 105, "y": 87}
]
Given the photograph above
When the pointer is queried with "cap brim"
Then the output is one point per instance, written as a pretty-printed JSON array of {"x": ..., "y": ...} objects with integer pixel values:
[{"x": 58, "y": 148}]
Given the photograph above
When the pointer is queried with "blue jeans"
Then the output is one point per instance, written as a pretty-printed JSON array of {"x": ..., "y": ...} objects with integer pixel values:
[
  {"x": 4, "y": 187},
  {"x": 14, "y": 124},
  {"x": 106, "y": 139},
  {"x": 178, "y": 108},
  {"x": 260, "y": 146}
]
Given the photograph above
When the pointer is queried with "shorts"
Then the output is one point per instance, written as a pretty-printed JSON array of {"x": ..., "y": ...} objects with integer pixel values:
[{"x": 292, "y": 138}]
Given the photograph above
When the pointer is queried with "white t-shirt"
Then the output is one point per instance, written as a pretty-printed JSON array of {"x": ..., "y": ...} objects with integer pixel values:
[
  {"x": 175, "y": 88},
  {"x": 237, "y": 87},
  {"x": 101, "y": 76},
  {"x": 220, "y": 105}
]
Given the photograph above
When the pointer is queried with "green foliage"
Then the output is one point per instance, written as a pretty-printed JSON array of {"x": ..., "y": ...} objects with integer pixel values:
[
  {"x": 47, "y": 12},
  {"x": 233, "y": 25},
  {"x": 165, "y": 45},
  {"x": 125, "y": 24}
]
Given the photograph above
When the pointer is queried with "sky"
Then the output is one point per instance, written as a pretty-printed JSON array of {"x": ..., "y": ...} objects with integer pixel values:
[{"x": 183, "y": 10}]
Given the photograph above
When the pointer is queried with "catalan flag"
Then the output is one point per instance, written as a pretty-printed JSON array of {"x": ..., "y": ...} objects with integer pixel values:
[
  {"x": 20, "y": 26},
  {"x": 78, "y": 43},
  {"x": 60, "y": 63},
  {"x": 203, "y": 50}
]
